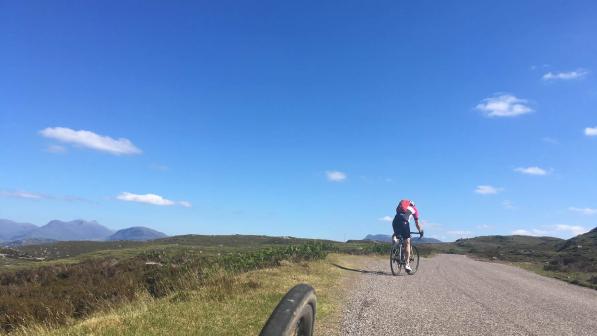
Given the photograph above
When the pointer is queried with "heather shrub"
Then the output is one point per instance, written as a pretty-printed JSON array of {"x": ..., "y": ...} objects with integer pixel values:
[{"x": 54, "y": 294}]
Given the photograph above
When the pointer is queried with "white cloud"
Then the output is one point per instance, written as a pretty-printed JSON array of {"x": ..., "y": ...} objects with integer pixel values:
[
  {"x": 591, "y": 131},
  {"x": 504, "y": 105},
  {"x": 56, "y": 149},
  {"x": 460, "y": 233},
  {"x": 386, "y": 219},
  {"x": 579, "y": 73},
  {"x": 532, "y": 171},
  {"x": 91, "y": 140},
  {"x": 150, "y": 199},
  {"x": 573, "y": 229},
  {"x": 38, "y": 196},
  {"x": 584, "y": 211},
  {"x": 522, "y": 232},
  {"x": 532, "y": 232},
  {"x": 507, "y": 204},
  {"x": 335, "y": 176},
  {"x": 487, "y": 190},
  {"x": 22, "y": 194},
  {"x": 560, "y": 230}
]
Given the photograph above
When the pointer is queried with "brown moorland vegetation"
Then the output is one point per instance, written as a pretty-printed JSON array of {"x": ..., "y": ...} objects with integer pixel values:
[{"x": 53, "y": 294}]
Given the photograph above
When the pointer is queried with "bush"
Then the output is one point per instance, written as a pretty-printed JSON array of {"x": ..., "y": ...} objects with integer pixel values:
[
  {"x": 551, "y": 267},
  {"x": 53, "y": 294}
]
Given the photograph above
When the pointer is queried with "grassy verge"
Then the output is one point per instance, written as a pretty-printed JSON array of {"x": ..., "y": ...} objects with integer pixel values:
[
  {"x": 228, "y": 305},
  {"x": 573, "y": 261},
  {"x": 53, "y": 294},
  {"x": 584, "y": 279}
]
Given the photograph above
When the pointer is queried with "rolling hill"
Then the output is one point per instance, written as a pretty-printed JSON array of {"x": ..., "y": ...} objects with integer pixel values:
[
  {"x": 578, "y": 254},
  {"x": 510, "y": 248},
  {"x": 139, "y": 233}
]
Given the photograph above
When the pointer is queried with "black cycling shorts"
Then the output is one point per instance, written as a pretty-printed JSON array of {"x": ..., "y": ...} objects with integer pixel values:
[{"x": 401, "y": 227}]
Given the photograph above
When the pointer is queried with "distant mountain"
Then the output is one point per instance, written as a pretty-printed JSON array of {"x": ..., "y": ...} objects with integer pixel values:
[
  {"x": 15, "y": 234},
  {"x": 378, "y": 237},
  {"x": 73, "y": 230},
  {"x": 388, "y": 238},
  {"x": 9, "y": 229},
  {"x": 27, "y": 242},
  {"x": 137, "y": 233}
]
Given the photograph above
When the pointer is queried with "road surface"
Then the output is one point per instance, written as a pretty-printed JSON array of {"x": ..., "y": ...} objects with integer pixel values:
[{"x": 456, "y": 295}]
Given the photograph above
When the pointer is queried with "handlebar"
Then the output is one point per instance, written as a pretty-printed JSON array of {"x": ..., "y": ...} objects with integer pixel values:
[{"x": 419, "y": 233}]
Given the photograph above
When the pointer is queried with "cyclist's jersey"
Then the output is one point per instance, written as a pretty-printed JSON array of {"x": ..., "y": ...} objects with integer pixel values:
[{"x": 407, "y": 209}]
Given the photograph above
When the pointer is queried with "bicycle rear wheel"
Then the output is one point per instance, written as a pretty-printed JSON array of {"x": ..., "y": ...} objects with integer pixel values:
[
  {"x": 395, "y": 264},
  {"x": 414, "y": 259}
]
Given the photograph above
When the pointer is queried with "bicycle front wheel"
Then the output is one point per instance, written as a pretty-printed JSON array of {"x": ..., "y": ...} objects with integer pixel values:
[
  {"x": 395, "y": 263},
  {"x": 294, "y": 315},
  {"x": 414, "y": 259}
]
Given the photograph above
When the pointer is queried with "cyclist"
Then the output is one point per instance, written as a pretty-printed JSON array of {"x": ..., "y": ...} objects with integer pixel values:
[{"x": 401, "y": 225}]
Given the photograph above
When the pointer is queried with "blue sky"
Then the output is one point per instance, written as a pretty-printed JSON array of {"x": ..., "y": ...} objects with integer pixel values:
[{"x": 308, "y": 118}]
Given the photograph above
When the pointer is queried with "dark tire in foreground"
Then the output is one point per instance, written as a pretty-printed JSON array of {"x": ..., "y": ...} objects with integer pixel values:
[{"x": 294, "y": 315}]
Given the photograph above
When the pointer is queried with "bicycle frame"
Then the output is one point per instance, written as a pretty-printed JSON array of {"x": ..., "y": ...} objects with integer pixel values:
[{"x": 397, "y": 254}]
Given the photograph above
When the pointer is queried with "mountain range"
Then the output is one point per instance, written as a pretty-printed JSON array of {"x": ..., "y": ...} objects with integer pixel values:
[
  {"x": 9, "y": 229},
  {"x": 12, "y": 233}
]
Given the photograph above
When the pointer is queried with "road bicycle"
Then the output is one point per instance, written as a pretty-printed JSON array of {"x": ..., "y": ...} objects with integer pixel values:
[{"x": 397, "y": 256}]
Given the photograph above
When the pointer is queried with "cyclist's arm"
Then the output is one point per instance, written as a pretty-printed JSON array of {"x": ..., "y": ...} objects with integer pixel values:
[{"x": 416, "y": 216}]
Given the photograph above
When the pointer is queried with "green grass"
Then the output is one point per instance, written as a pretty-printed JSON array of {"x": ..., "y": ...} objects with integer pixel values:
[
  {"x": 83, "y": 279},
  {"x": 72, "y": 252},
  {"x": 228, "y": 305},
  {"x": 61, "y": 290},
  {"x": 80, "y": 278},
  {"x": 225, "y": 243}
]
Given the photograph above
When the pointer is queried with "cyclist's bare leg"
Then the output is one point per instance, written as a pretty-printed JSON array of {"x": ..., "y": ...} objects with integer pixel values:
[{"x": 407, "y": 250}]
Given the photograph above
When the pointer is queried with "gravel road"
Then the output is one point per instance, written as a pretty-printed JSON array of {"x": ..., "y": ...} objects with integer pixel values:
[{"x": 456, "y": 295}]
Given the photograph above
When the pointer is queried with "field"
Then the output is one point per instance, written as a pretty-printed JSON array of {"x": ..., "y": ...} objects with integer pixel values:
[
  {"x": 109, "y": 288},
  {"x": 232, "y": 305},
  {"x": 53, "y": 285}
]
